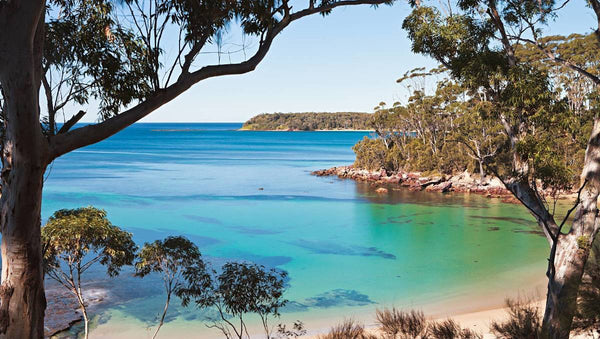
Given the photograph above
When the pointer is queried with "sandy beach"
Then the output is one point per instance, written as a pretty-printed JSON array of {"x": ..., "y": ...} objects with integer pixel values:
[{"x": 475, "y": 309}]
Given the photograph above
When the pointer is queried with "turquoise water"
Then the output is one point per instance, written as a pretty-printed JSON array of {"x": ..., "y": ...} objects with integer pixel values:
[{"x": 242, "y": 195}]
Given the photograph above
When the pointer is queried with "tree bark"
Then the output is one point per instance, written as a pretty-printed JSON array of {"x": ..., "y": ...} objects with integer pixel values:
[
  {"x": 83, "y": 309},
  {"x": 563, "y": 287},
  {"x": 572, "y": 249},
  {"x": 162, "y": 318},
  {"x": 25, "y": 155},
  {"x": 23, "y": 165}
]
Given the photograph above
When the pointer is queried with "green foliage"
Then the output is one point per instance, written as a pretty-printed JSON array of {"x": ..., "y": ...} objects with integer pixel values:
[
  {"x": 490, "y": 113},
  {"x": 87, "y": 55},
  {"x": 171, "y": 257},
  {"x": 179, "y": 263},
  {"x": 75, "y": 239},
  {"x": 250, "y": 288},
  {"x": 443, "y": 132},
  {"x": 308, "y": 121},
  {"x": 70, "y": 235},
  {"x": 371, "y": 154},
  {"x": 240, "y": 289}
]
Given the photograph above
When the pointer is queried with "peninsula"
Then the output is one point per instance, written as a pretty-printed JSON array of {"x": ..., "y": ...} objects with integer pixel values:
[{"x": 339, "y": 121}]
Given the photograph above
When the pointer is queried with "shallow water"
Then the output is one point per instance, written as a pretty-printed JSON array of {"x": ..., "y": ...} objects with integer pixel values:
[{"x": 250, "y": 196}]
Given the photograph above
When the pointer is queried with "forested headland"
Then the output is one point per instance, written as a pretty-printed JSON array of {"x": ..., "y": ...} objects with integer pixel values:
[
  {"x": 309, "y": 121},
  {"x": 448, "y": 127}
]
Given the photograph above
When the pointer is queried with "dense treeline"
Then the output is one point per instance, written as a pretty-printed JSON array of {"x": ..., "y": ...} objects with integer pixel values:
[
  {"x": 308, "y": 121},
  {"x": 453, "y": 129}
]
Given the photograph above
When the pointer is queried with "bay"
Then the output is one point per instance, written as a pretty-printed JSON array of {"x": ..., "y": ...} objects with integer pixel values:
[{"x": 246, "y": 195}]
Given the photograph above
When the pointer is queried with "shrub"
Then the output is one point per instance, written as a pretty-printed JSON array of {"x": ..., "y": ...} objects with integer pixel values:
[
  {"x": 394, "y": 322},
  {"x": 450, "y": 329},
  {"x": 370, "y": 154},
  {"x": 524, "y": 321},
  {"x": 349, "y": 329}
]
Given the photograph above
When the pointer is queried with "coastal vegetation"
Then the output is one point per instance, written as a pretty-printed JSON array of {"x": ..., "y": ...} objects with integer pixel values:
[
  {"x": 308, "y": 121},
  {"x": 76, "y": 239},
  {"x": 513, "y": 103},
  {"x": 85, "y": 56},
  {"x": 179, "y": 263},
  {"x": 238, "y": 290}
]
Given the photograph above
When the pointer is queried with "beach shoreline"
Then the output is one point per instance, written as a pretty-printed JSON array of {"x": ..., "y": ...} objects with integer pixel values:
[{"x": 472, "y": 308}]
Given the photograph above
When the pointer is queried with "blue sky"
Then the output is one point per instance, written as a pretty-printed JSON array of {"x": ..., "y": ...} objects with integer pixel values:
[{"x": 348, "y": 61}]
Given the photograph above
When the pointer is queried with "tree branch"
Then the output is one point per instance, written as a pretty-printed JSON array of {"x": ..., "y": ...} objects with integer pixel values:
[
  {"x": 90, "y": 134},
  {"x": 71, "y": 122}
]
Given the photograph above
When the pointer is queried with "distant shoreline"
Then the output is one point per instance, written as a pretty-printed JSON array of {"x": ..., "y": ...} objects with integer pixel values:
[{"x": 311, "y": 130}]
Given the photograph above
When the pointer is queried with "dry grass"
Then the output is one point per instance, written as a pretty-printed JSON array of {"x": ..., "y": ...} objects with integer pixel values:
[
  {"x": 450, "y": 329},
  {"x": 399, "y": 324},
  {"x": 349, "y": 329},
  {"x": 524, "y": 321}
]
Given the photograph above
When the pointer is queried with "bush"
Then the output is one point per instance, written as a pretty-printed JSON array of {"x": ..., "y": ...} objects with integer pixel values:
[
  {"x": 370, "y": 154},
  {"x": 406, "y": 324},
  {"x": 394, "y": 159},
  {"x": 349, "y": 329},
  {"x": 450, "y": 329},
  {"x": 524, "y": 321}
]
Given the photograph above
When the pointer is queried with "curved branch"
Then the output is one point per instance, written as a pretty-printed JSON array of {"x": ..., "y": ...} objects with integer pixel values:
[{"x": 90, "y": 134}]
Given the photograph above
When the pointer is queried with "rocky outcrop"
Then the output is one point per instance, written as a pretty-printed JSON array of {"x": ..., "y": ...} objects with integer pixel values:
[
  {"x": 62, "y": 309},
  {"x": 417, "y": 181}
]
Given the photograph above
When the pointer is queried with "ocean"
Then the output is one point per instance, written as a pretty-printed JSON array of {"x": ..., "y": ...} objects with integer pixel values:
[{"x": 249, "y": 196}]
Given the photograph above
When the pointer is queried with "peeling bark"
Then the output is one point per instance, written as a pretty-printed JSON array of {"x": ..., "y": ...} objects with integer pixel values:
[
  {"x": 25, "y": 156},
  {"x": 571, "y": 250}
]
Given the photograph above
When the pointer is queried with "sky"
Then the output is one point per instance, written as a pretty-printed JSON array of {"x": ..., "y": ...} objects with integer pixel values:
[{"x": 347, "y": 61}]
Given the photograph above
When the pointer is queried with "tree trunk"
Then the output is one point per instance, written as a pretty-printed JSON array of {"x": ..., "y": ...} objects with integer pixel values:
[
  {"x": 25, "y": 155},
  {"x": 563, "y": 287},
  {"x": 162, "y": 318},
  {"x": 566, "y": 266},
  {"x": 481, "y": 171},
  {"x": 22, "y": 290},
  {"x": 86, "y": 320}
]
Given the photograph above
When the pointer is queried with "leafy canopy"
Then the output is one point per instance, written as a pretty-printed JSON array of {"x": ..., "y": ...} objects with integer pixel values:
[
  {"x": 83, "y": 236},
  {"x": 177, "y": 259}
]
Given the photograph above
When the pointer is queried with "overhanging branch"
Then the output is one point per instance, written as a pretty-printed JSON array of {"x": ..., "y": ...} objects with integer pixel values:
[{"x": 90, "y": 134}]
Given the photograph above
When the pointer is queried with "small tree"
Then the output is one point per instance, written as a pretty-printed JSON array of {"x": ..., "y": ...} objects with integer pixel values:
[
  {"x": 75, "y": 239},
  {"x": 179, "y": 263},
  {"x": 239, "y": 289}
]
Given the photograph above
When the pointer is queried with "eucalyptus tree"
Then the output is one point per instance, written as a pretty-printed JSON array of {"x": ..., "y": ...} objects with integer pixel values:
[
  {"x": 179, "y": 263},
  {"x": 476, "y": 40},
  {"x": 238, "y": 290},
  {"x": 110, "y": 55},
  {"x": 76, "y": 239}
]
